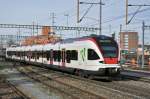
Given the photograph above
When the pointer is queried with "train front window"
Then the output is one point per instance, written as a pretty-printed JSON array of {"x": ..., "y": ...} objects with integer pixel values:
[
  {"x": 92, "y": 55},
  {"x": 108, "y": 47}
]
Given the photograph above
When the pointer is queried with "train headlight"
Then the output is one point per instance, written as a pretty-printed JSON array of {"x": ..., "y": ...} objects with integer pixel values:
[{"x": 102, "y": 62}]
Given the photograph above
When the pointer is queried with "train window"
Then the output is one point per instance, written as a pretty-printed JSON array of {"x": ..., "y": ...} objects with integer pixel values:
[
  {"x": 44, "y": 54},
  {"x": 74, "y": 55},
  {"x": 92, "y": 55},
  {"x": 109, "y": 51},
  {"x": 33, "y": 55},
  {"x": 20, "y": 54},
  {"x": 55, "y": 55},
  {"x": 48, "y": 55},
  {"x": 9, "y": 53},
  {"x": 38, "y": 55},
  {"x": 25, "y": 53},
  {"x": 59, "y": 55},
  {"x": 68, "y": 56},
  {"x": 28, "y": 54},
  {"x": 17, "y": 54}
]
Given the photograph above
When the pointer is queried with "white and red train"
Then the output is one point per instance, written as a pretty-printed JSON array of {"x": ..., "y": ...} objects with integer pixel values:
[{"x": 91, "y": 55}]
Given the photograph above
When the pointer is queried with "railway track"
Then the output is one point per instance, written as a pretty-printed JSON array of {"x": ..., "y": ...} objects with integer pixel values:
[
  {"x": 97, "y": 88},
  {"x": 131, "y": 86},
  {"x": 72, "y": 92},
  {"x": 10, "y": 91},
  {"x": 136, "y": 78},
  {"x": 124, "y": 86}
]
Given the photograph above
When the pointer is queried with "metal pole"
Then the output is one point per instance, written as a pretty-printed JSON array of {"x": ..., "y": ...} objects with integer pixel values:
[
  {"x": 121, "y": 57},
  {"x": 1, "y": 42},
  {"x": 33, "y": 29},
  {"x": 67, "y": 16},
  {"x": 126, "y": 12},
  {"x": 100, "y": 24},
  {"x": 120, "y": 35},
  {"x": 78, "y": 11},
  {"x": 37, "y": 29},
  {"x": 143, "y": 44},
  {"x": 109, "y": 28}
]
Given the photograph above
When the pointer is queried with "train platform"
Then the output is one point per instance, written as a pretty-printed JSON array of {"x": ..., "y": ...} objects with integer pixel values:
[
  {"x": 134, "y": 72},
  {"x": 32, "y": 89}
]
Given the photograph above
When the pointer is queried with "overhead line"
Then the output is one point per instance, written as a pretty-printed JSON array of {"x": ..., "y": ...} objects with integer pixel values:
[
  {"x": 122, "y": 16},
  {"x": 54, "y": 27}
]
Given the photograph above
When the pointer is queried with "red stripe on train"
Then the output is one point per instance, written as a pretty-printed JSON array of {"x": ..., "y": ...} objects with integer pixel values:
[{"x": 111, "y": 60}]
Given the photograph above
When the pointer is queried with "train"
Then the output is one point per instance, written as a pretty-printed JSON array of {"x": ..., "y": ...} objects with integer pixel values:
[{"x": 86, "y": 56}]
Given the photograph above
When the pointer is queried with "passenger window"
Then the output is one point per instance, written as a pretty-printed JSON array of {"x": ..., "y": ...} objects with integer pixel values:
[
  {"x": 74, "y": 55},
  {"x": 68, "y": 57},
  {"x": 48, "y": 55},
  {"x": 92, "y": 55}
]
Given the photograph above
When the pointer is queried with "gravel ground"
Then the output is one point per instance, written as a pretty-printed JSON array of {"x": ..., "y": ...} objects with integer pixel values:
[
  {"x": 73, "y": 92},
  {"x": 29, "y": 87},
  {"x": 104, "y": 91},
  {"x": 121, "y": 89}
]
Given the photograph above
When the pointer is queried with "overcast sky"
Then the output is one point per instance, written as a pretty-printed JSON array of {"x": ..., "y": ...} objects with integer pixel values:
[{"x": 39, "y": 11}]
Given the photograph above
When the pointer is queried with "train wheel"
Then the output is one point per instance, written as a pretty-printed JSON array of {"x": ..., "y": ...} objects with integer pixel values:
[
  {"x": 81, "y": 73},
  {"x": 90, "y": 77},
  {"x": 78, "y": 72}
]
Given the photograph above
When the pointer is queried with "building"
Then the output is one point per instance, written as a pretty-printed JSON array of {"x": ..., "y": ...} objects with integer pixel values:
[
  {"x": 46, "y": 30},
  {"x": 146, "y": 49},
  {"x": 129, "y": 41},
  {"x": 48, "y": 36}
]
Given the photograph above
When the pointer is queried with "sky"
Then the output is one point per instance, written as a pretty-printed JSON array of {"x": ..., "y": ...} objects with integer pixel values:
[{"x": 40, "y": 12}]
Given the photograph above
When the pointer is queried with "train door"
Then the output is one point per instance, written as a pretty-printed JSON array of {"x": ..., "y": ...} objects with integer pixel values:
[
  {"x": 24, "y": 54},
  {"x": 20, "y": 55},
  {"x": 51, "y": 56},
  {"x": 42, "y": 56},
  {"x": 63, "y": 55},
  {"x": 29, "y": 54},
  {"x": 82, "y": 57},
  {"x": 35, "y": 56}
]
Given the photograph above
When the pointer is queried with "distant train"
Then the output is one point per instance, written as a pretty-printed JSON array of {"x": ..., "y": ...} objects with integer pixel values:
[{"x": 91, "y": 55}]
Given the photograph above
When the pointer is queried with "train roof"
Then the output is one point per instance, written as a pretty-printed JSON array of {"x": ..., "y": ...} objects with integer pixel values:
[
  {"x": 48, "y": 46},
  {"x": 71, "y": 40},
  {"x": 37, "y": 48}
]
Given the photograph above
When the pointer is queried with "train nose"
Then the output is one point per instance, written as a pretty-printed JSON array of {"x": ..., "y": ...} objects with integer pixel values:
[
  {"x": 109, "y": 71},
  {"x": 113, "y": 71}
]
